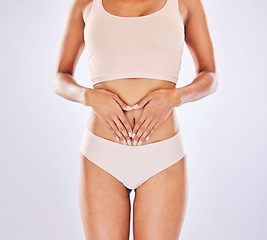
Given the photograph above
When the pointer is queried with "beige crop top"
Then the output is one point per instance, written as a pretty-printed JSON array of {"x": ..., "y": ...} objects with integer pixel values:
[{"x": 149, "y": 46}]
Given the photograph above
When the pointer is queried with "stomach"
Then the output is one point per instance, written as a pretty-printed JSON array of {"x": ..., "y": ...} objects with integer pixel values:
[{"x": 132, "y": 90}]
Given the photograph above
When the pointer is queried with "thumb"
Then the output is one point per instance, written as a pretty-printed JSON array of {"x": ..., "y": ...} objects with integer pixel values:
[
  {"x": 142, "y": 102},
  {"x": 123, "y": 105}
]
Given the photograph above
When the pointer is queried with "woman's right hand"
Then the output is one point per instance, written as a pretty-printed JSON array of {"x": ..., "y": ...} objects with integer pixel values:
[{"x": 108, "y": 107}]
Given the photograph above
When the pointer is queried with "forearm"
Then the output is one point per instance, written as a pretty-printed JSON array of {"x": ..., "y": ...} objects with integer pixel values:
[
  {"x": 203, "y": 85},
  {"x": 65, "y": 86}
]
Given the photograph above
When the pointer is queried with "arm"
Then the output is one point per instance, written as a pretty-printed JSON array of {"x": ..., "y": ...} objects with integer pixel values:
[
  {"x": 107, "y": 105},
  {"x": 71, "y": 48},
  {"x": 159, "y": 103},
  {"x": 199, "y": 43}
]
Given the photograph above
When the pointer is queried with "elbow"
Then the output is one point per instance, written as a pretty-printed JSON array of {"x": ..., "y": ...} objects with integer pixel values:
[
  {"x": 214, "y": 85},
  {"x": 55, "y": 84},
  {"x": 212, "y": 77}
]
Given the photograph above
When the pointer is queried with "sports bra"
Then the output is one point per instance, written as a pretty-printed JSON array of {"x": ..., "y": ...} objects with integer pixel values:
[{"x": 149, "y": 46}]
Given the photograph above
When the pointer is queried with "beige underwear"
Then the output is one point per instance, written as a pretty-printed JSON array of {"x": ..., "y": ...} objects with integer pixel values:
[{"x": 132, "y": 165}]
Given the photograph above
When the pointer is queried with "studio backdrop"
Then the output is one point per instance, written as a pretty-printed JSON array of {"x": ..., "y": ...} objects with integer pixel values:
[{"x": 224, "y": 133}]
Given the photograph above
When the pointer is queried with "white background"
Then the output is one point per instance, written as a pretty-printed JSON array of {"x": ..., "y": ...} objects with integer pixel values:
[{"x": 224, "y": 133}]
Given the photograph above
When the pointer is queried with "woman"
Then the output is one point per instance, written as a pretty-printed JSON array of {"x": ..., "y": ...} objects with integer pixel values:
[{"x": 133, "y": 139}]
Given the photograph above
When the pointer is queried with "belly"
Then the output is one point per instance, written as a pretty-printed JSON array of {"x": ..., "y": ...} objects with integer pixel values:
[{"x": 131, "y": 90}]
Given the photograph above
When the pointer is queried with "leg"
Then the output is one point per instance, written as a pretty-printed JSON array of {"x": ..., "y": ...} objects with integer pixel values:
[
  {"x": 160, "y": 204},
  {"x": 104, "y": 204}
]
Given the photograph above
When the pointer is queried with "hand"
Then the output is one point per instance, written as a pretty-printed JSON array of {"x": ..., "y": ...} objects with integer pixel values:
[
  {"x": 108, "y": 107},
  {"x": 158, "y": 105}
]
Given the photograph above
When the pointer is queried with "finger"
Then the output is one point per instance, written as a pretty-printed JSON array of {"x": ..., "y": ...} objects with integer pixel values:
[
  {"x": 146, "y": 131},
  {"x": 126, "y": 124},
  {"x": 109, "y": 125},
  {"x": 150, "y": 130},
  {"x": 140, "y": 131},
  {"x": 122, "y": 104},
  {"x": 116, "y": 130},
  {"x": 138, "y": 124},
  {"x": 142, "y": 102},
  {"x": 122, "y": 130}
]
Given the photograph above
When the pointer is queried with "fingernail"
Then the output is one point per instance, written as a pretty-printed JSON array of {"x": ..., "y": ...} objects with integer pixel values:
[
  {"x": 134, "y": 143},
  {"x": 133, "y": 135},
  {"x": 136, "y": 105},
  {"x": 117, "y": 138},
  {"x": 139, "y": 143},
  {"x": 124, "y": 142},
  {"x": 128, "y": 108},
  {"x": 129, "y": 142},
  {"x": 147, "y": 137},
  {"x": 130, "y": 134}
]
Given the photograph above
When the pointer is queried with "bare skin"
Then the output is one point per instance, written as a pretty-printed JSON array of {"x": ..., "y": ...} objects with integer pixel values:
[{"x": 160, "y": 203}]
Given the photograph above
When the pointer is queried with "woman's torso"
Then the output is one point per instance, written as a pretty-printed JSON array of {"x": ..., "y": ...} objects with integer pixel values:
[{"x": 131, "y": 90}]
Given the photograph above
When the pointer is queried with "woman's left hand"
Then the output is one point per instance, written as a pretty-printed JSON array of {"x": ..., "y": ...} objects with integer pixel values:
[{"x": 157, "y": 107}]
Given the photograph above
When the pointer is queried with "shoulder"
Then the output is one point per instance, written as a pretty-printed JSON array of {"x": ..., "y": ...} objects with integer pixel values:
[
  {"x": 81, "y": 7},
  {"x": 191, "y": 7},
  {"x": 81, "y": 4},
  {"x": 190, "y": 3}
]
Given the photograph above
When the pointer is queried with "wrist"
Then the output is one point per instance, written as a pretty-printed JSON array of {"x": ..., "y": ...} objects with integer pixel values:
[
  {"x": 177, "y": 97},
  {"x": 86, "y": 96}
]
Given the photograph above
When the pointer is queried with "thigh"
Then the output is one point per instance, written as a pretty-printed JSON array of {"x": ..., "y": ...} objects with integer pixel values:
[
  {"x": 104, "y": 203},
  {"x": 160, "y": 204}
]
